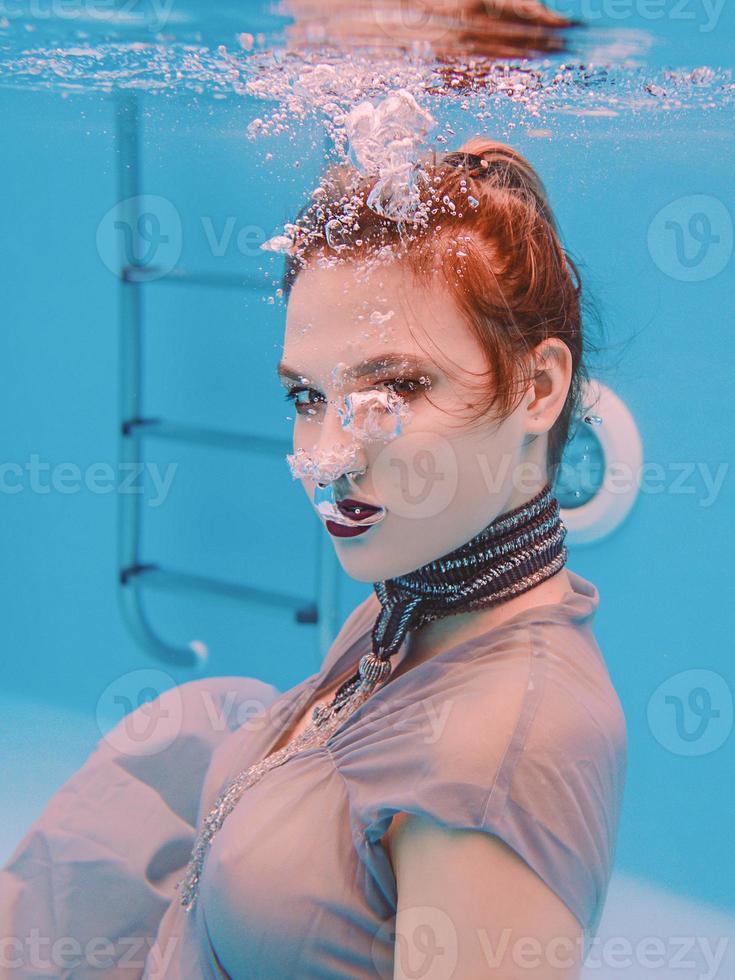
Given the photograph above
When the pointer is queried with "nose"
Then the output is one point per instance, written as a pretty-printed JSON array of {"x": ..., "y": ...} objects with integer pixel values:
[{"x": 335, "y": 447}]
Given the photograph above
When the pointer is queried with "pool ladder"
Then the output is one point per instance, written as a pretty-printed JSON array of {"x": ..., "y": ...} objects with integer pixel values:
[{"x": 133, "y": 575}]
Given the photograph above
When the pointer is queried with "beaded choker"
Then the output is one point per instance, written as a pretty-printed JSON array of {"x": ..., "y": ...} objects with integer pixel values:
[{"x": 517, "y": 551}]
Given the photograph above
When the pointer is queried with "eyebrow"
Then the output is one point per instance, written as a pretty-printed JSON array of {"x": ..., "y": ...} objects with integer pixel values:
[{"x": 372, "y": 365}]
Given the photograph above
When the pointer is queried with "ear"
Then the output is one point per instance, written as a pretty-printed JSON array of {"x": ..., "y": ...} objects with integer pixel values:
[{"x": 548, "y": 391}]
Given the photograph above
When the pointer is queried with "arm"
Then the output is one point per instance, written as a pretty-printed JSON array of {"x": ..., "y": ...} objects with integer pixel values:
[
  {"x": 85, "y": 890},
  {"x": 470, "y": 907}
]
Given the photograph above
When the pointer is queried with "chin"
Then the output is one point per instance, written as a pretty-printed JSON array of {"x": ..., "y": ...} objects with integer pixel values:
[
  {"x": 372, "y": 564},
  {"x": 362, "y": 567}
]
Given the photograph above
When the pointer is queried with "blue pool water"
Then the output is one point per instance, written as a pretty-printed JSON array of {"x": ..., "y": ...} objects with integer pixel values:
[{"x": 631, "y": 128}]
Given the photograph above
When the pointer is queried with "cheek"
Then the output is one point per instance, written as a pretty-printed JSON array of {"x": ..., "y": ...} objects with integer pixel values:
[
  {"x": 302, "y": 419},
  {"x": 415, "y": 476},
  {"x": 488, "y": 459},
  {"x": 439, "y": 476}
]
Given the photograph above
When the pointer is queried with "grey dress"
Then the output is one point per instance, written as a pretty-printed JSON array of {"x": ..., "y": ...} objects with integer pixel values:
[{"x": 517, "y": 732}]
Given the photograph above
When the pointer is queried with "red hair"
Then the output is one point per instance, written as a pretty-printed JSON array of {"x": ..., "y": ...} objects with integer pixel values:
[{"x": 487, "y": 229}]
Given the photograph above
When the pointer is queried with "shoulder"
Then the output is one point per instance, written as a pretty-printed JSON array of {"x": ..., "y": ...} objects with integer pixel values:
[
  {"x": 483, "y": 722},
  {"x": 524, "y": 786},
  {"x": 535, "y": 697},
  {"x": 580, "y": 715},
  {"x": 543, "y": 688}
]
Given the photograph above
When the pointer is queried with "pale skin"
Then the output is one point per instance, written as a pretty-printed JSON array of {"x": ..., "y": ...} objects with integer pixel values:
[{"x": 507, "y": 906}]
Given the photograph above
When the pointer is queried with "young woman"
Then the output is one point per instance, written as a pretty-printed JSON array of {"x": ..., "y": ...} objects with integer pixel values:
[{"x": 441, "y": 799}]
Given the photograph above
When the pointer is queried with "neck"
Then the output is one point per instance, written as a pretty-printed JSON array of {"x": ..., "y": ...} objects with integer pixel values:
[{"x": 518, "y": 551}]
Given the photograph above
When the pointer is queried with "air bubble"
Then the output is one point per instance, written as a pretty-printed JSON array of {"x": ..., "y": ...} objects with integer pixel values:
[
  {"x": 379, "y": 318},
  {"x": 337, "y": 235}
]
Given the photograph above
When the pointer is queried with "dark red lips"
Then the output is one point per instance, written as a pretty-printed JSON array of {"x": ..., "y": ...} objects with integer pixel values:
[
  {"x": 356, "y": 509},
  {"x": 342, "y": 531}
]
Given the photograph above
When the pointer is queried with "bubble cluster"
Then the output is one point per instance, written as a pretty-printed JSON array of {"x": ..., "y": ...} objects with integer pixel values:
[
  {"x": 377, "y": 106},
  {"x": 338, "y": 85}
]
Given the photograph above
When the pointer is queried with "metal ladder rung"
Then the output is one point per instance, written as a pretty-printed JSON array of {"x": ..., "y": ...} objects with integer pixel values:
[
  {"x": 168, "y": 580},
  {"x": 150, "y": 274},
  {"x": 178, "y": 432}
]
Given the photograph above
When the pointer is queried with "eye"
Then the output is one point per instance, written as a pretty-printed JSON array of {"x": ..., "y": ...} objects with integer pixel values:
[
  {"x": 406, "y": 386},
  {"x": 402, "y": 386},
  {"x": 302, "y": 407}
]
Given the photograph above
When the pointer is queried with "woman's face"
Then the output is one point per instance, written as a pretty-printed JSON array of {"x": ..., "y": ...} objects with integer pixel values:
[{"x": 437, "y": 479}]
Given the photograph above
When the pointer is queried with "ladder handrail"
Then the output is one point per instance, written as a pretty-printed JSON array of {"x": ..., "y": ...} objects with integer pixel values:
[{"x": 133, "y": 576}]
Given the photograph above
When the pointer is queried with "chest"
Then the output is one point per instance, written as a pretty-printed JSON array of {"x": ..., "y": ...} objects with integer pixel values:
[
  {"x": 302, "y": 722},
  {"x": 288, "y": 887}
]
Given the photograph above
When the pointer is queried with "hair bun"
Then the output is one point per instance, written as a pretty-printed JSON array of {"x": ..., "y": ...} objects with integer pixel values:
[{"x": 507, "y": 166}]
